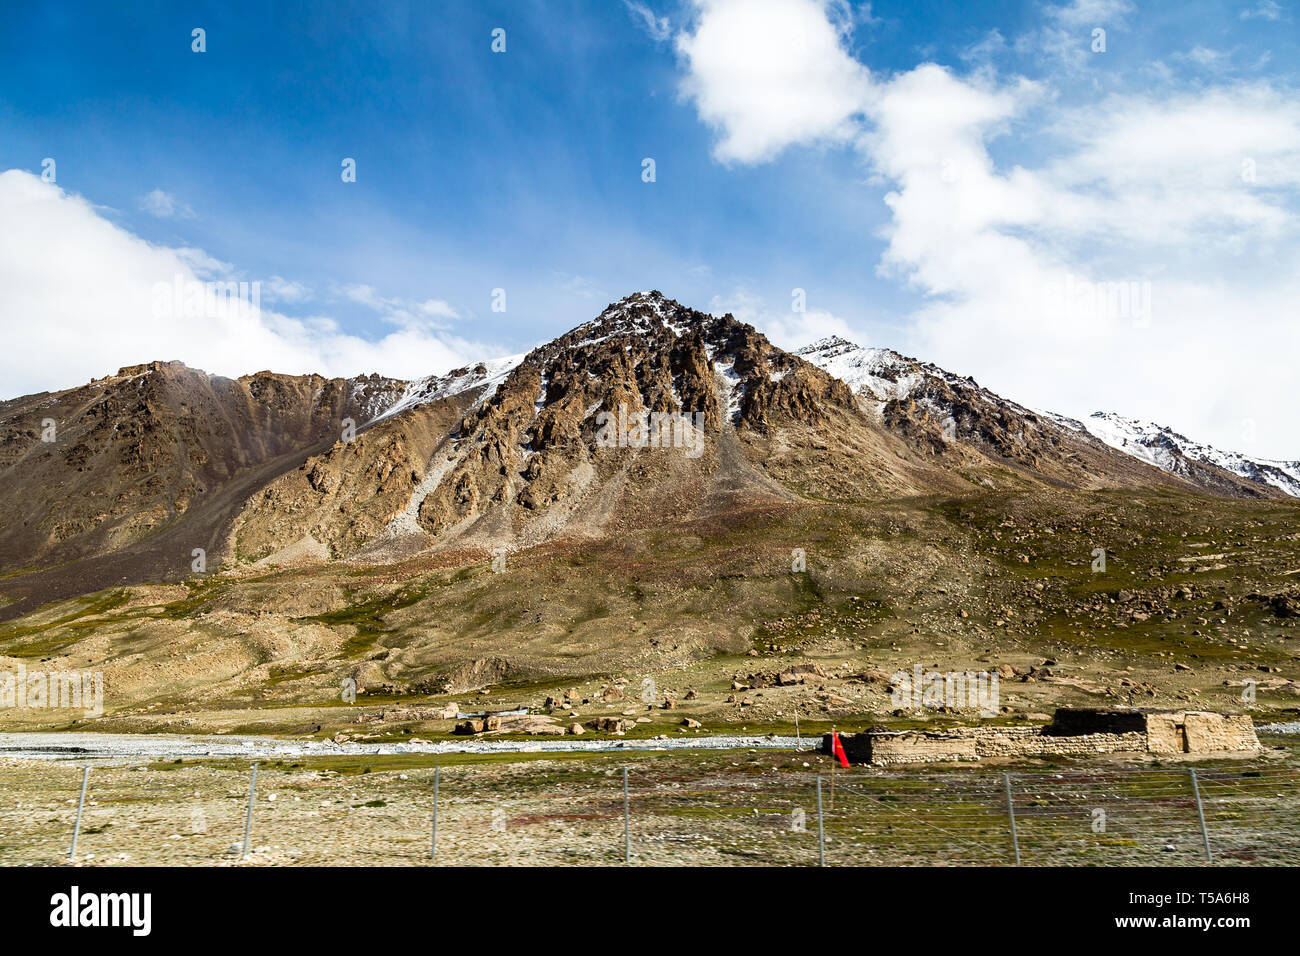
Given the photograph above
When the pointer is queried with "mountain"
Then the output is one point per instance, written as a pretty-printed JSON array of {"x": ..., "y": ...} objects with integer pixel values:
[
  {"x": 908, "y": 395},
  {"x": 123, "y": 478},
  {"x": 109, "y": 464},
  {"x": 658, "y": 491},
  {"x": 652, "y": 413},
  {"x": 1179, "y": 455},
  {"x": 522, "y": 462}
]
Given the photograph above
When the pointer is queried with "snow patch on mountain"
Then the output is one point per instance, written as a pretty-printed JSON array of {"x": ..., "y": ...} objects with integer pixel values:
[
  {"x": 636, "y": 314},
  {"x": 485, "y": 376},
  {"x": 732, "y": 386},
  {"x": 540, "y": 404},
  {"x": 372, "y": 394},
  {"x": 1168, "y": 450},
  {"x": 884, "y": 375}
]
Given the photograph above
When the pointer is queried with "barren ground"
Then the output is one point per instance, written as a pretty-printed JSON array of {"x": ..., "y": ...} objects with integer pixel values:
[{"x": 741, "y": 808}]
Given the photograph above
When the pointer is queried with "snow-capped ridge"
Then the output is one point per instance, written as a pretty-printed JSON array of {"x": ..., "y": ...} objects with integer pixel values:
[
  {"x": 883, "y": 375},
  {"x": 879, "y": 373},
  {"x": 1168, "y": 450},
  {"x": 485, "y": 377}
]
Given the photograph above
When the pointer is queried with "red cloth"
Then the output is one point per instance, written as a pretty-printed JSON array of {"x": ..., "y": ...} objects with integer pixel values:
[{"x": 837, "y": 749}]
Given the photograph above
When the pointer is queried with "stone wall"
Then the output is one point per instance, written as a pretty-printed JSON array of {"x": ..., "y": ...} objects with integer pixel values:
[
  {"x": 1071, "y": 734},
  {"x": 920, "y": 747},
  {"x": 1038, "y": 744},
  {"x": 1176, "y": 732},
  {"x": 978, "y": 743}
]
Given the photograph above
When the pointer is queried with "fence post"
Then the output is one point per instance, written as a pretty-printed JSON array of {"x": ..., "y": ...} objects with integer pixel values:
[
  {"x": 76, "y": 829},
  {"x": 248, "y": 820},
  {"x": 798, "y": 741},
  {"x": 1200, "y": 813},
  {"x": 821, "y": 832},
  {"x": 433, "y": 839},
  {"x": 1011, "y": 813},
  {"x": 627, "y": 823}
]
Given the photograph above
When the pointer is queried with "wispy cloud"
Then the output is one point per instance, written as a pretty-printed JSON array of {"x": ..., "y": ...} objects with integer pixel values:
[
  {"x": 580, "y": 287},
  {"x": 657, "y": 27},
  {"x": 1091, "y": 13},
  {"x": 407, "y": 313},
  {"x": 280, "y": 289},
  {"x": 1266, "y": 10},
  {"x": 163, "y": 205}
]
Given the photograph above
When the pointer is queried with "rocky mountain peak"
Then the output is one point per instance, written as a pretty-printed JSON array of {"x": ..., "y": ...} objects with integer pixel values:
[
  {"x": 830, "y": 346},
  {"x": 530, "y": 449},
  {"x": 641, "y": 315},
  {"x": 148, "y": 367},
  {"x": 651, "y": 352}
]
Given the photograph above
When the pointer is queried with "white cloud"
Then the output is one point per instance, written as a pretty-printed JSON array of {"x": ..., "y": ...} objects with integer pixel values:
[
  {"x": 578, "y": 286},
  {"x": 658, "y": 28},
  {"x": 1066, "y": 37},
  {"x": 428, "y": 314},
  {"x": 1188, "y": 201},
  {"x": 163, "y": 205},
  {"x": 204, "y": 265},
  {"x": 280, "y": 289},
  {"x": 1265, "y": 10},
  {"x": 785, "y": 327},
  {"x": 81, "y": 297},
  {"x": 770, "y": 73},
  {"x": 1091, "y": 13},
  {"x": 984, "y": 51},
  {"x": 1129, "y": 200},
  {"x": 1206, "y": 58}
]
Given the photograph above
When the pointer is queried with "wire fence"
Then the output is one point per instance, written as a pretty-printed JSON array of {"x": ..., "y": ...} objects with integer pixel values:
[{"x": 562, "y": 814}]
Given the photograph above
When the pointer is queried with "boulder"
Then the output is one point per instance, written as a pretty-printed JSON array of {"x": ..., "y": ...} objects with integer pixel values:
[
  {"x": 797, "y": 674},
  {"x": 610, "y": 725},
  {"x": 1284, "y": 605}
]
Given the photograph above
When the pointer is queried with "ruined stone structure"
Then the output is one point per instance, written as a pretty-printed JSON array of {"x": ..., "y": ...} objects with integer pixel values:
[{"x": 1072, "y": 732}]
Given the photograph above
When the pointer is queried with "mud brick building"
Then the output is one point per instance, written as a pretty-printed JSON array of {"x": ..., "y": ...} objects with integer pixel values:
[{"x": 1072, "y": 732}]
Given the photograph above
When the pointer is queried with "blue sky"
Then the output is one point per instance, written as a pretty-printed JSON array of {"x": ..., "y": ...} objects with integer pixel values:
[
  {"x": 475, "y": 171},
  {"x": 522, "y": 170}
]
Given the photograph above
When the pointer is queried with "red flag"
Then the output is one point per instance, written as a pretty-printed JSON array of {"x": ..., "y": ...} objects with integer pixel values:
[{"x": 837, "y": 749}]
